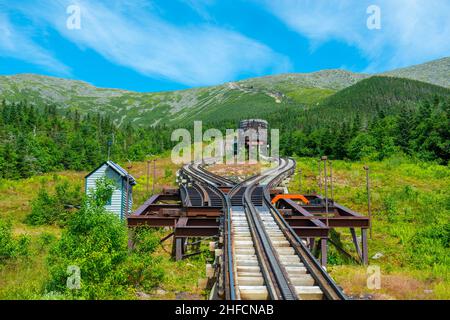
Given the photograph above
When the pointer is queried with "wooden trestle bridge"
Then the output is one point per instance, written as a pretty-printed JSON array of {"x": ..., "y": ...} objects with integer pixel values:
[{"x": 264, "y": 250}]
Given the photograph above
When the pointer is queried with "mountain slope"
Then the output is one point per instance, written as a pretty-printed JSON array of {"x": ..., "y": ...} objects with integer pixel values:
[
  {"x": 380, "y": 93},
  {"x": 208, "y": 103},
  {"x": 436, "y": 72},
  {"x": 230, "y": 101}
]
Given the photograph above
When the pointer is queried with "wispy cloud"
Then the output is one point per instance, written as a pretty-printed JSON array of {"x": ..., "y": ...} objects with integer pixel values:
[
  {"x": 200, "y": 7},
  {"x": 413, "y": 31},
  {"x": 132, "y": 35},
  {"x": 18, "y": 44}
]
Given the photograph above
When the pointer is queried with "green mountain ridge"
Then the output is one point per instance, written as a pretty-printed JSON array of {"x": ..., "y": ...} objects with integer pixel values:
[
  {"x": 435, "y": 72},
  {"x": 382, "y": 93},
  {"x": 228, "y": 101}
]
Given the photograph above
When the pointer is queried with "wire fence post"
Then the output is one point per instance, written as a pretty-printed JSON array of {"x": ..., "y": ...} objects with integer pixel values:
[
  {"x": 319, "y": 180},
  {"x": 300, "y": 181},
  {"x": 369, "y": 209},
  {"x": 154, "y": 176},
  {"x": 325, "y": 159},
  {"x": 331, "y": 180},
  {"x": 148, "y": 177},
  {"x": 127, "y": 204}
]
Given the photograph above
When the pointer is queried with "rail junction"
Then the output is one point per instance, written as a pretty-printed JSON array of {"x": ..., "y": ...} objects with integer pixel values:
[{"x": 266, "y": 241}]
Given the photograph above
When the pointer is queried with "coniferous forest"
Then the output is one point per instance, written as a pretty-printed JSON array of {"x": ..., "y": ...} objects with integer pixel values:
[
  {"x": 42, "y": 139},
  {"x": 37, "y": 140}
]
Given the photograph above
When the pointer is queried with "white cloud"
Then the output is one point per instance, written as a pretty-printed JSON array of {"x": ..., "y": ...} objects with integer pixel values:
[
  {"x": 200, "y": 7},
  {"x": 413, "y": 31},
  {"x": 133, "y": 36},
  {"x": 17, "y": 44}
]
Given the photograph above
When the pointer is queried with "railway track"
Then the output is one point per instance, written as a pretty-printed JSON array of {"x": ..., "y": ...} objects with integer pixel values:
[{"x": 263, "y": 258}]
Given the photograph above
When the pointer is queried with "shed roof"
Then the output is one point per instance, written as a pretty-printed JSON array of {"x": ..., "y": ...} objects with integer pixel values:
[{"x": 121, "y": 171}]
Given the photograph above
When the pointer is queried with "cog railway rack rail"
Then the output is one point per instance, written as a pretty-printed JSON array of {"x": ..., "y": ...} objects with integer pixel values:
[{"x": 265, "y": 247}]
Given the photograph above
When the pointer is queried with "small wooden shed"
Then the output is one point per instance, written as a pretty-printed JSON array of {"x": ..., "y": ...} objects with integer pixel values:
[{"x": 123, "y": 191}]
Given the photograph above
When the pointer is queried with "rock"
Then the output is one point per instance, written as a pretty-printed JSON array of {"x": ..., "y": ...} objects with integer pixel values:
[
  {"x": 160, "y": 292},
  {"x": 142, "y": 295},
  {"x": 202, "y": 283},
  {"x": 377, "y": 256},
  {"x": 427, "y": 291},
  {"x": 209, "y": 271},
  {"x": 383, "y": 296},
  {"x": 187, "y": 296},
  {"x": 365, "y": 296}
]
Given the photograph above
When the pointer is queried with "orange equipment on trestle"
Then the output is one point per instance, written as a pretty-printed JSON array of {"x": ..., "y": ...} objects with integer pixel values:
[{"x": 290, "y": 196}]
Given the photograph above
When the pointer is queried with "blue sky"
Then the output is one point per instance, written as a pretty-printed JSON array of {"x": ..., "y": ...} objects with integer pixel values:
[{"x": 175, "y": 44}]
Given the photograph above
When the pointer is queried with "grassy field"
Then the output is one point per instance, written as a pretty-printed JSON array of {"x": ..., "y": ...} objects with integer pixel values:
[
  {"x": 411, "y": 226},
  {"x": 411, "y": 210},
  {"x": 24, "y": 277}
]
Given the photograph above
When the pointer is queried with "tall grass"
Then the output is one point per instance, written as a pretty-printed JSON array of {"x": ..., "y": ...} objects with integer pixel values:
[{"x": 411, "y": 214}]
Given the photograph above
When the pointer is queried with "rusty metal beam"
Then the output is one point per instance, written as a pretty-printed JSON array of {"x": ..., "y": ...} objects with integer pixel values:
[
  {"x": 342, "y": 250},
  {"x": 179, "y": 244},
  {"x": 203, "y": 222},
  {"x": 158, "y": 221},
  {"x": 307, "y": 232},
  {"x": 344, "y": 211},
  {"x": 365, "y": 250},
  {"x": 160, "y": 206},
  {"x": 351, "y": 220},
  {"x": 157, "y": 208},
  {"x": 225, "y": 189},
  {"x": 204, "y": 211},
  {"x": 181, "y": 222},
  {"x": 334, "y": 222},
  {"x": 303, "y": 212},
  {"x": 196, "y": 231},
  {"x": 142, "y": 209},
  {"x": 170, "y": 235},
  {"x": 176, "y": 211},
  {"x": 152, "y": 221},
  {"x": 323, "y": 251},
  {"x": 169, "y": 197},
  {"x": 356, "y": 242}
]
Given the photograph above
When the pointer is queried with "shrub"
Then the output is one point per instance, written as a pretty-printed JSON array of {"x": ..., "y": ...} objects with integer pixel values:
[
  {"x": 45, "y": 239},
  {"x": 68, "y": 195},
  {"x": 167, "y": 173},
  {"x": 43, "y": 209},
  {"x": 23, "y": 245},
  {"x": 389, "y": 206},
  {"x": 432, "y": 239},
  {"x": 362, "y": 146},
  {"x": 9, "y": 246},
  {"x": 56, "y": 208},
  {"x": 96, "y": 241},
  {"x": 143, "y": 269}
]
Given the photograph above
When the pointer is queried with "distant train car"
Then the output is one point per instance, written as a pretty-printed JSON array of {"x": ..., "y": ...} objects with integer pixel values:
[{"x": 257, "y": 125}]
